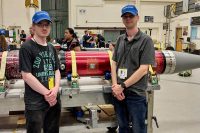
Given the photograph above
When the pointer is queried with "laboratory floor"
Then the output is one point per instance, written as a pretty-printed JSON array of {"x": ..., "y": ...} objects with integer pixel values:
[{"x": 176, "y": 107}]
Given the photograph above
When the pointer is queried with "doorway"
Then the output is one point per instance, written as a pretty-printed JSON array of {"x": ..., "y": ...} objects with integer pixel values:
[
  {"x": 58, "y": 11},
  {"x": 179, "y": 39}
]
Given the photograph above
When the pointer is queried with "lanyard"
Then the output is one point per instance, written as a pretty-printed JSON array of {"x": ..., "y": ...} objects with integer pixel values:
[
  {"x": 127, "y": 53},
  {"x": 123, "y": 57}
]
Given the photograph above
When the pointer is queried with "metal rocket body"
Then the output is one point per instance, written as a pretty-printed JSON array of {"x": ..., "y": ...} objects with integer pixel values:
[
  {"x": 169, "y": 62},
  {"x": 96, "y": 63}
]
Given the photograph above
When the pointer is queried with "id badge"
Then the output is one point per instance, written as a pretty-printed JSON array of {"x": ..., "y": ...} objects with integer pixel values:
[
  {"x": 51, "y": 82},
  {"x": 122, "y": 73}
]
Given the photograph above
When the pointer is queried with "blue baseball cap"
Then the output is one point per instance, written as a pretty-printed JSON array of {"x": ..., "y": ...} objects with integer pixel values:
[
  {"x": 129, "y": 9},
  {"x": 39, "y": 16}
]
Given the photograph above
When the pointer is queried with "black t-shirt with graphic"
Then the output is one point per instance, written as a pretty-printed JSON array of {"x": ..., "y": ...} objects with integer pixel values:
[
  {"x": 42, "y": 62},
  {"x": 69, "y": 45}
]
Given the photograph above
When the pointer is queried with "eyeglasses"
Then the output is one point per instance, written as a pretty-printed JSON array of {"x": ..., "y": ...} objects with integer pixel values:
[
  {"x": 128, "y": 16},
  {"x": 43, "y": 25}
]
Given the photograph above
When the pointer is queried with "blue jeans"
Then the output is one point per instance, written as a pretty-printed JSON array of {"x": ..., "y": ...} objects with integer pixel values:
[
  {"x": 47, "y": 119},
  {"x": 131, "y": 113}
]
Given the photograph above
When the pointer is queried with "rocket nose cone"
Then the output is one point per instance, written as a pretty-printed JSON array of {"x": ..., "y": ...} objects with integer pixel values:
[{"x": 186, "y": 61}]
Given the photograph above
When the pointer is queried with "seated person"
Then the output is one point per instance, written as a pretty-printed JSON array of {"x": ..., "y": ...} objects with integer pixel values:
[
  {"x": 87, "y": 39},
  {"x": 111, "y": 46},
  {"x": 100, "y": 41},
  {"x": 70, "y": 42}
]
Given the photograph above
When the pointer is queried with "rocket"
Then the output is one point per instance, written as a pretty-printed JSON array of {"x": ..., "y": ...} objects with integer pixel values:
[
  {"x": 96, "y": 63},
  {"x": 169, "y": 62}
]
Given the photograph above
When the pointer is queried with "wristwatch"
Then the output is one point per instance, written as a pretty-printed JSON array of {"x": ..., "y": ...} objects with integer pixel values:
[{"x": 123, "y": 85}]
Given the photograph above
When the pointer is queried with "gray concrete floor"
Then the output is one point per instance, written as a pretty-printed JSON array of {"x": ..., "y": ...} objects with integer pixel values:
[{"x": 176, "y": 107}]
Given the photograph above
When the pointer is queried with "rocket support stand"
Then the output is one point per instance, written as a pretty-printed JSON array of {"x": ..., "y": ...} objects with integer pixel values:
[{"x": 150, "y": 100}]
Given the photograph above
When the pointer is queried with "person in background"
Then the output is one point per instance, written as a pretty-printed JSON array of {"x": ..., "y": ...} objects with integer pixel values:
[
  {"x": 134, "y": 52},
  {"x": 111, "y": 46},
  {"x": 3, "y": 43},
  {"x": 87, "y": 39},
  {"x": 70, "y": 41},
  {"x": 22, "y": 36},
  {"x": 107, "y": 44},
  {"x": 100, "y": 41},
  {"x": 49, "y": 39},
  {"x": 39, "y": 66},
  {"x": 31, "y": 33}
]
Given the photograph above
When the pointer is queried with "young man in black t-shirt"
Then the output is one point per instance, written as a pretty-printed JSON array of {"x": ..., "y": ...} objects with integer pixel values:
[{"x": 39, "y": 66}]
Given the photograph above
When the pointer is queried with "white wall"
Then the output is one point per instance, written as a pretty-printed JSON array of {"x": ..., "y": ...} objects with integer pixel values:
[
  {"x": 98, "y": 13},
  {"x": 157, "y": 11},
  {"x": 90, "y": 13},
  {"x": 1, "y": 13},
  {"x": 179, "y": 22},
  {"x": 101, "y": 13},
  {"x": 16, "y": 14}
]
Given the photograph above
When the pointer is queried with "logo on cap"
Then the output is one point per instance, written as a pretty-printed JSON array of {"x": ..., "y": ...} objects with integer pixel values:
[
  {"x": 39, "y": 16},
  {"x": 129, "y": 9}
]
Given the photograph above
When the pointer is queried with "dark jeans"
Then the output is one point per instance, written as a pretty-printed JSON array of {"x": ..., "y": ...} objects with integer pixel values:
[
  {"x": 47, "y": 119},
  {"x": 131, "y": 113}
]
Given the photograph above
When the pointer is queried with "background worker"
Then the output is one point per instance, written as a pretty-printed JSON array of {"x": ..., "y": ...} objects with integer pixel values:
[{"x": 70, "y": 42}]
